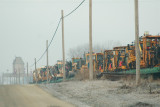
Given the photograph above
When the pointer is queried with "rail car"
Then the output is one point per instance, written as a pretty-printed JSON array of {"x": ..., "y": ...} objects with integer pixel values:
[
  {"x": 40, "y": 75},
  {"x": 54, "y": 73},
  {"x": 123, "y": 58},
  {"x": 119, "y": 60}
]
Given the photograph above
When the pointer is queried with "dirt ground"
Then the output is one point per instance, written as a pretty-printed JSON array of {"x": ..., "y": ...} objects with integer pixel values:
[
  {"x": 28, "y": 96},
  {"x": 106, "y": 93}
]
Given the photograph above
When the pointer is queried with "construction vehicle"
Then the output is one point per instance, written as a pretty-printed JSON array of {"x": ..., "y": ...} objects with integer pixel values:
[
  {"x": 124, "y": 57},
  {"x": 121, "y": 59},
  {"x": 150, "y": 51},
  {"x": 40, "y": 74},
  {"x": 77, "y": 63},
  {"x": 97, "y": 61},
  {"x": 115, "y": 59}
]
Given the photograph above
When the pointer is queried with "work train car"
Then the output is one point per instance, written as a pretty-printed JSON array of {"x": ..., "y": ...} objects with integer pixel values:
[
  {"x": 119, "y": 59},
  {"x": 40, "y": 74},
  {"x": 54, "y": 72},
  {"x": 124, "y": 57}
]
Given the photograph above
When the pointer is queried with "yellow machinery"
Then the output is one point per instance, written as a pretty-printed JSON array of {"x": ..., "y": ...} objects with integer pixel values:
[
  {"x": 36, "y": 75},
  {"x": 41, "y": 74},
  {"x": 118, "y": 59},
  {"x": 115, "y": 59},
  {"x": 86, "y": 66},
  {"x": 124, "y": 57},
  {"x": 150, "y": 51},
  {"x": 97, "y": 61},
  {"x": 77, "y": 63}
]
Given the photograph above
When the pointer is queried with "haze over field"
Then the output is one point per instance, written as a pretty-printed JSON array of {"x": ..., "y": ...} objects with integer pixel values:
[{"x": 25, "y": 25}]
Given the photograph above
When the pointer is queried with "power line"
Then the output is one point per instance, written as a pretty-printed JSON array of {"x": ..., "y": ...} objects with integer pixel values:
[
  {"x": 49, "y": 43},
  {"x": 74, "y": 9},
  {"x": 56, "y": 31}
]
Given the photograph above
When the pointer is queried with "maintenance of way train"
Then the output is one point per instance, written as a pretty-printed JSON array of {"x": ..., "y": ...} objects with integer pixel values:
[{"x": 119, "y": 60}]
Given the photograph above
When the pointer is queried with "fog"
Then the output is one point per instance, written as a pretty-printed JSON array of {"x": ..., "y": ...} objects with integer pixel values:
[{"x": 25, "y": 25}]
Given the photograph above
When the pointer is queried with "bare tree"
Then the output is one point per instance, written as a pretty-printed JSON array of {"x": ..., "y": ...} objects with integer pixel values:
[{"x": 80, "y": 50}]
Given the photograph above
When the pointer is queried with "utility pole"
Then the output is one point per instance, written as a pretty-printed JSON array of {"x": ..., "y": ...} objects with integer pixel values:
[
  {"x": 16, "y": 77},
  {"x": 7, "y": 76},
  {"x": 63, "y": 50},
  {"x": 137, "y": 43},
  {"x": 23, "y": 77},
  {"x": 3, "y": 78},
  {"x": 0, "y": 80},
  {"x": 27, "y": 74},
  {"x": 10, "y": 78},
  {"x": 30, "y": 75},
  {"x": 47, "y": 60},
  {"x": 19, "y": 76},
  {"x": 90, "y": 42},
  {"x": 36, "y": 70}
]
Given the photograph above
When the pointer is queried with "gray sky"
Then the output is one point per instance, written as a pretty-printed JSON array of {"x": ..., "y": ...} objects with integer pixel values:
[{"x": 25, "y": 25}]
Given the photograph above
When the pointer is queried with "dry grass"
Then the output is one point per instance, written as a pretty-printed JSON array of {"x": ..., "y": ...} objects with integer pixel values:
[
  {"x": 83, "y": 74},
  {"x": 105, "y": 92},
  {"x": 147, "y": 85},
  {"x": 131, "y": 80},
  {"x": 128, "y": 80}
]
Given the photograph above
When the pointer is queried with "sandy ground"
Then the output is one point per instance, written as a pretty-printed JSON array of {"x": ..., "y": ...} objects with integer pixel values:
[
  {"x": 28, "y": 96},
  {"x": 105, "y": 93}
]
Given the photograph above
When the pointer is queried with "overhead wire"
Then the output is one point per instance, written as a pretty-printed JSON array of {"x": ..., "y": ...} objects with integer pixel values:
[
  {"x": 56, "y": 31},
  {"x": 74, "y": 9},
  {"x": 50, "y": 41}
]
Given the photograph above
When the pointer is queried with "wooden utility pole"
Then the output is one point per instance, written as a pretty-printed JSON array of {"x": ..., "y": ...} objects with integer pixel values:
[
  {"x": 27, "y": 74},
  {"x": 36, "y": 70},
  {"x": 3, "y": 78},
  {"x": 90, "y": 42},
  {"x": 16, "y": 77},
  {"x": 0, "y": 80},
  {"x": 23, "y": 77},
  {"x": 19, "y": 76},
  {"x": 7, "y": 76},
  {"x": 63, "y": 50},
  {"x": 137, "y": 43},
  {"x": 10, "y": 78},
  {"x": 47, "y": 61}
]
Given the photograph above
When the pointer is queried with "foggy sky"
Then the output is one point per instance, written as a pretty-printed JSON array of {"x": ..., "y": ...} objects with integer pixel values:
[{"x": 25, "y": 25}]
